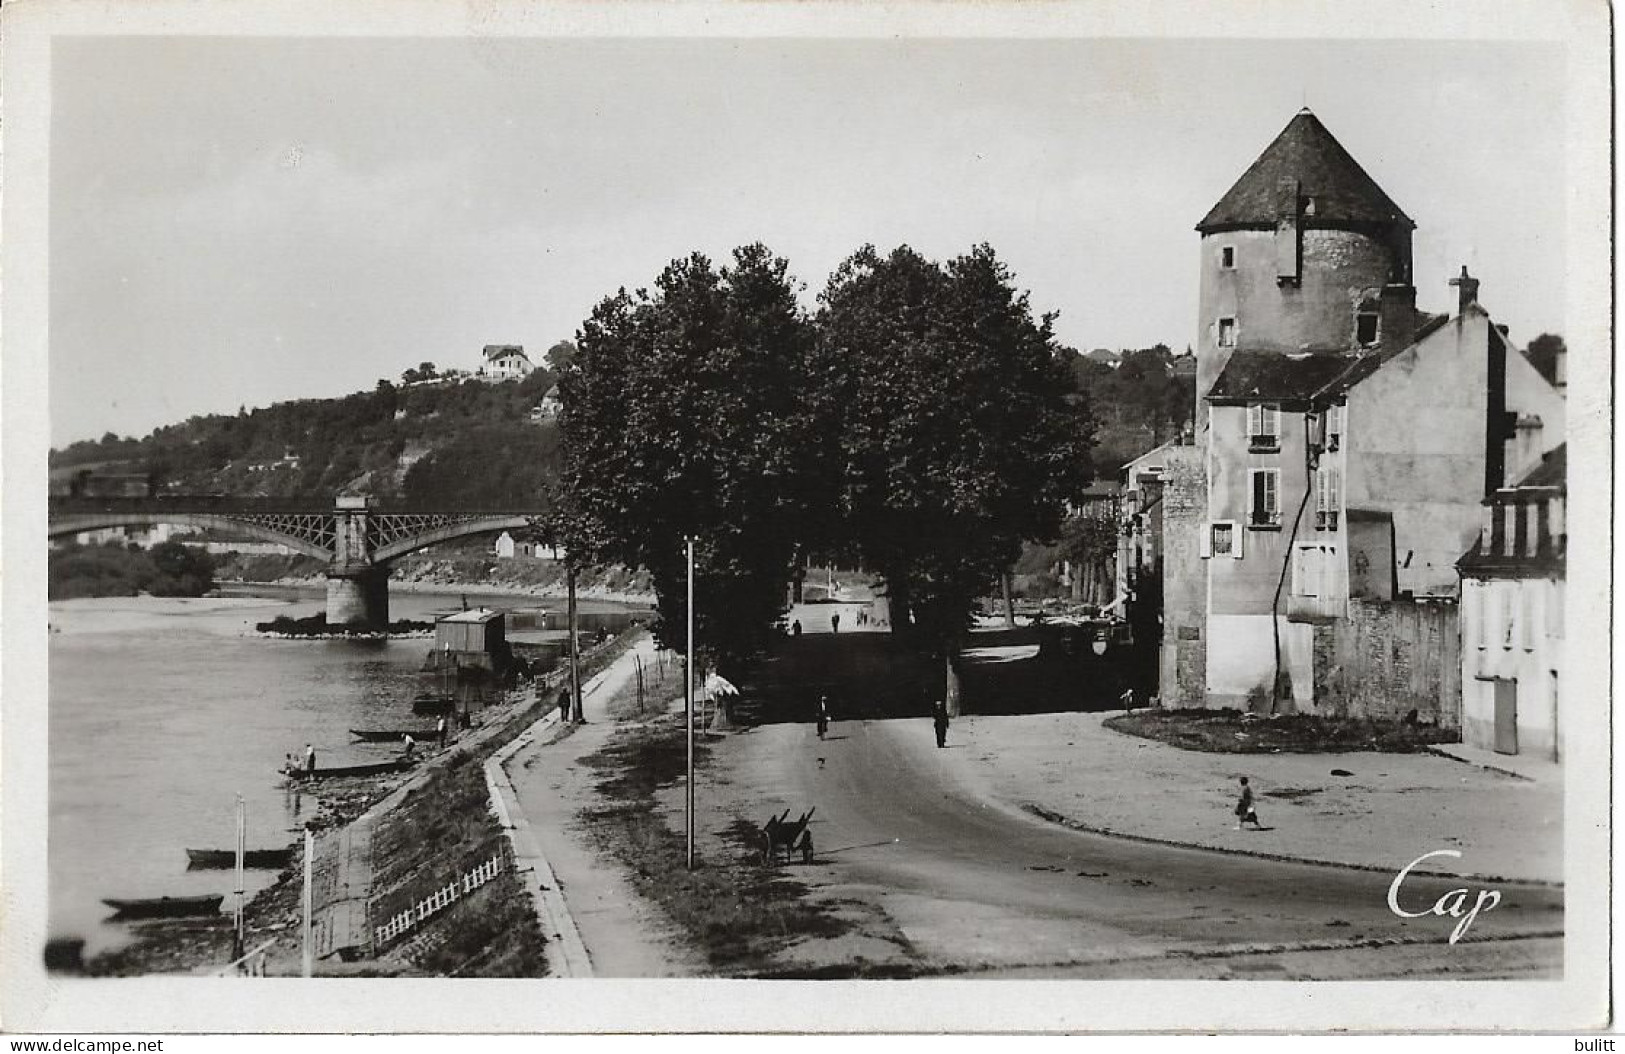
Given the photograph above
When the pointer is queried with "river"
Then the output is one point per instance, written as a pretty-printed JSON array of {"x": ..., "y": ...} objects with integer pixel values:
[{"x": 162, "y": 711}]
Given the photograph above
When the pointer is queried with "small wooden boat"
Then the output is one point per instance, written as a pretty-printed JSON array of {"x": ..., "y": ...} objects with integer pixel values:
[
  {"x": 347, "y": 770},
  {"x": 259, "y": 859},
  {"x": 394, "y": 735},
  {"x": 164, "y": 907}
]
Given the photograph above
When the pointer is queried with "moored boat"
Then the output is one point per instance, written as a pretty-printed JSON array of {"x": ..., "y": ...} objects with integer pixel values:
[
  {"x": 259, "y": 859},
  {"x": 393, "y": 735},
  {"x": 164, "y": 907},
  {"x": 347, "y": 770}
]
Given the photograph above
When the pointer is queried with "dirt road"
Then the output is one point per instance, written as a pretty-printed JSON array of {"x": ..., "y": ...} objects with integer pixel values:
[{"x": 977, "y": 885}]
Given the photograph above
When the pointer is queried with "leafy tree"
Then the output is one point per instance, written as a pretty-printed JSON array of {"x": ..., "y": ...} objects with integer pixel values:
[
  {"x": 560, "y": 356},
  {"x": 181, "y": 570},
  {"x": 1543, "y": 354},
  {"x": 955, "y": 422},
  {"x": 681, "y": 417}
]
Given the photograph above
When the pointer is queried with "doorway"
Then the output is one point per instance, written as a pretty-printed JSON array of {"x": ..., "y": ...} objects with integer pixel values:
[{"x": 1506, "y": 717}]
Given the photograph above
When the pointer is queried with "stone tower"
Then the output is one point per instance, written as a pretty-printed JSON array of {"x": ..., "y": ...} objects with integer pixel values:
[{"x": 1304, "y": 253}]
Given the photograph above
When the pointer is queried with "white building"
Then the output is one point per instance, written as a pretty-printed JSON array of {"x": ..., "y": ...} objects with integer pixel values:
[
  {"x": 505, "y": 362},
  {"x": 1512, "y": 616}
]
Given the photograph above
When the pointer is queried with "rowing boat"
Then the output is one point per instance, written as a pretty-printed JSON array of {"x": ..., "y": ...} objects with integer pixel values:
[
  {"x": 164, "y": 907},
  {"x": 388, "y": 735},
  {"x": 259, "y": 859},
  {"x": 348, "y": 770}
]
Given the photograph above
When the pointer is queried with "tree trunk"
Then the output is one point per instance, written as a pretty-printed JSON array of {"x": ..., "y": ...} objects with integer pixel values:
[
  {"x": 1009, "y": 606},
  {"x": 951, "y": 688}
]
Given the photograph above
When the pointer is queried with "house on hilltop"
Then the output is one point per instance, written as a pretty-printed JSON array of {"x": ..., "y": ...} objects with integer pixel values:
[
  {"x": 505, "y": 362},
  {"x": 1344, "y": 444}
]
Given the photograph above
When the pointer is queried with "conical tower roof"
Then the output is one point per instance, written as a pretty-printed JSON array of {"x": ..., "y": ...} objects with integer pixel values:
[{"x": 1306, "y": 152}]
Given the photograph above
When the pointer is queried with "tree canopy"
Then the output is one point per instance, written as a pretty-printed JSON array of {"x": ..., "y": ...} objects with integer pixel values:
[
  {"x": 682, "y": 416},
  {"x": 958, "y": 433}
]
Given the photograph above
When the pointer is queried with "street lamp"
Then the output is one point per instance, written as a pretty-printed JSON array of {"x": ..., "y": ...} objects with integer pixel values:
[{"x": 688, "y": 701}]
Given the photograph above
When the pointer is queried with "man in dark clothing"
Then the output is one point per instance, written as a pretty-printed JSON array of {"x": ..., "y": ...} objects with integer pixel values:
[
  {"x": 835, "y": 623},
  {"x": 940, "y": 721},
  {"x": 564, "y": 704},
  {"x": 310, "y": 758}
]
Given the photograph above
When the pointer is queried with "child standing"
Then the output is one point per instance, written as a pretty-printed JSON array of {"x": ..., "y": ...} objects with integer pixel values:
[{"x": 1245, "y": 813}]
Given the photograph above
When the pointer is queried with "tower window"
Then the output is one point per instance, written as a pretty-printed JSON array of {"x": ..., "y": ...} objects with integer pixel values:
[
  {"x": 1227, "y": 257},
  {"x": 1227, "y": 332},
  {"x": 1365, "y": 328}
]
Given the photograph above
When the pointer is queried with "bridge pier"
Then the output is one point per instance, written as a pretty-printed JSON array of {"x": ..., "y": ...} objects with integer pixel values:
[{"x": 359, "y": 597}]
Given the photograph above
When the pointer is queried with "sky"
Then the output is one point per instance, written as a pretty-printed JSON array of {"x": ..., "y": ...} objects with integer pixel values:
[{"x": 240, "y": 221}]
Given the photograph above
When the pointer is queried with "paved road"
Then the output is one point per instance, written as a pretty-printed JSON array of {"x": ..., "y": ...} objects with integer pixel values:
[{"x": 981, "y": 886}]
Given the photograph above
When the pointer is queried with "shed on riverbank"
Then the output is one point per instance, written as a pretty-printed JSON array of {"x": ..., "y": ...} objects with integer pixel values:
[{"x": 480, "y": 632}]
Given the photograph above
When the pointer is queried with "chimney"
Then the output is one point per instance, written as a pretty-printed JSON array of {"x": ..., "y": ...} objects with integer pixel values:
[
  {"x": 1468, "y": 288},
  {"x": 1397, "y": 310}
]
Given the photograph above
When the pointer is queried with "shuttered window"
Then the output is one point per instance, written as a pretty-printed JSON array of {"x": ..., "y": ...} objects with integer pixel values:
[{"x": 1265, "y": 504}]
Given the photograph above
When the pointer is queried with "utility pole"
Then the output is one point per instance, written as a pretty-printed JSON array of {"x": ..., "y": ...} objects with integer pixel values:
[
  {"x": 575, "y": 648},
  {"x": 309, "y": 957},
  {"x": 688, "y": 702}
]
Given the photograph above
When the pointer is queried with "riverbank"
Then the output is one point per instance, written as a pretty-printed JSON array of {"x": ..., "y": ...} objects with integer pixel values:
[
  {"x": 442, "y": 575},
  {"x": 407, "y": 863}
]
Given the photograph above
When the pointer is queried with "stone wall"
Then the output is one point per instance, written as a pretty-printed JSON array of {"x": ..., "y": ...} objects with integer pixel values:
[
  {"x": 1183, "y": 672},
  {"x": 1388, "y": 658}
]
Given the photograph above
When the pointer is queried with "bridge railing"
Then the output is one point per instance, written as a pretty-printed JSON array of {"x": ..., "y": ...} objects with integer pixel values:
[{"x": 225, "y": 504}]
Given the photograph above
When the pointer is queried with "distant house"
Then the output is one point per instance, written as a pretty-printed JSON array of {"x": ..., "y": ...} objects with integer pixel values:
[
  {"x": 549, "y": 407},
  {"x": 507, "y": 547},
  {"x": 1105, "y": 357},
  {"x": 505, "y": 362},
  {"x": 1512, "y": 615}
]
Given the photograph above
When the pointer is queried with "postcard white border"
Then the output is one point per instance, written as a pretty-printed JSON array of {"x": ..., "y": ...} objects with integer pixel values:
[{"x": 34, "y": 1002}]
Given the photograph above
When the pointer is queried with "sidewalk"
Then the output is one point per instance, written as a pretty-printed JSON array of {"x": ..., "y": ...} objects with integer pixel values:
[
  {"x": 618, "y": 936},
  {"x": 1392, "y": 809}
]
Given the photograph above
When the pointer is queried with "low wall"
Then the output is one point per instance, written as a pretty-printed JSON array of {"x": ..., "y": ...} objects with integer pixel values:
[{"x": 1388, "y": 658}]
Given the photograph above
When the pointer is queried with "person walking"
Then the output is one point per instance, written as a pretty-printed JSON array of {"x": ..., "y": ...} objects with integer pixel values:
[
  {"x": 939, "y": 721},
  {"x": 1245, "y": 813},
  {"x": 823, "y": 715},
  {"x": 310, "y": 759},
  {"x": 835, "y": 622},
  {"x": 795, "y": 628},
  {"x": 440, "y": 730},
  {"x": 564, "y": 704}
]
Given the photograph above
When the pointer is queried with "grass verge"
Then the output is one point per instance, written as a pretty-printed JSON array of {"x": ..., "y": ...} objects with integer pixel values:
[
  {"x": 738, "y": 913},
  {"x": 1234, "y": 732}
]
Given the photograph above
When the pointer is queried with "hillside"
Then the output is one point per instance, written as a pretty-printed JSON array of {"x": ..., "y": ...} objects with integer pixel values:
[{"x": 442, "y": 442}]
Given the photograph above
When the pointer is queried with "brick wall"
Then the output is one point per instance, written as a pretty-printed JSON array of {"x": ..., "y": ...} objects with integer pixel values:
[{"x": 1388, "y": 658}]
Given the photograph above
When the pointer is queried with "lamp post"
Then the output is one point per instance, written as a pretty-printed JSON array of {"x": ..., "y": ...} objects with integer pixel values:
[
  {"x": 688, "y": 701},
  {"x": 575, "y": 648}
]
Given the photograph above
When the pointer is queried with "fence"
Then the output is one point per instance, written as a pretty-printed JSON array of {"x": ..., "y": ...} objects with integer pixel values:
[
  {"x": 250, "y": 964},
  {"x": 438, "y": 901}
]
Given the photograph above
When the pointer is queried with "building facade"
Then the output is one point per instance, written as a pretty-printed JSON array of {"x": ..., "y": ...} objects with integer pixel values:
[
  {"x": 505, "y": 362},
  {"x": 1344, "y": 442},
  {"x": 1512, "y": 648}
]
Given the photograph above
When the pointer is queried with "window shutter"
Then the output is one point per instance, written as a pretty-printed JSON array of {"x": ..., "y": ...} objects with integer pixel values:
[
  {"x": 1255, "y": 419},
  {"x": 1204, "y": 545}
]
